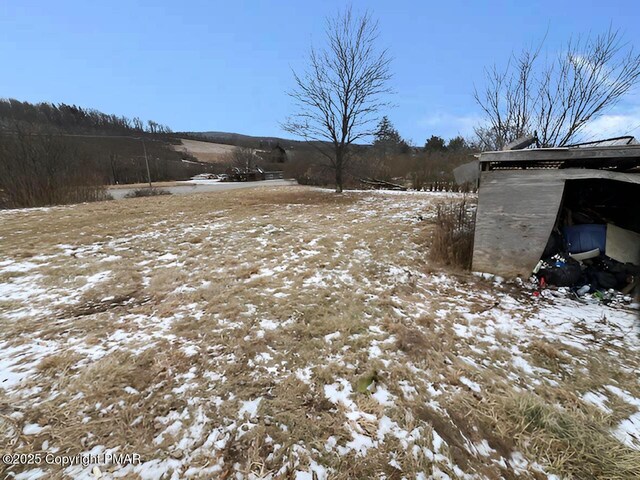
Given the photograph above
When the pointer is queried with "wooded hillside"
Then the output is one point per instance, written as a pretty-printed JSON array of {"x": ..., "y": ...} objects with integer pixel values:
[{"x": 52, "y": 154}]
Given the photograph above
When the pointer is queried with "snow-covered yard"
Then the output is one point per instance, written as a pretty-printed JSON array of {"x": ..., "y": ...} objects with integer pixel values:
[{"x": 294, "y": 333}]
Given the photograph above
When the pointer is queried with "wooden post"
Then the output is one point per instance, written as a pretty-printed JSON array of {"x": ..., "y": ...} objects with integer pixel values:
[{"x": 146, "y": 160}]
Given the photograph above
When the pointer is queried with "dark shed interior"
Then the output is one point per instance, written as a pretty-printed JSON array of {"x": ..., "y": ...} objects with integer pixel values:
[{"x": 598, "y": 201}]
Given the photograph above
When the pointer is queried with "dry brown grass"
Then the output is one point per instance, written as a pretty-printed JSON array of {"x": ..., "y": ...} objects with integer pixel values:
[
  {"x": 452, "y": 240},
  {"x": 218, "y": 299},
  {"x": 576, "y": 443},
  {"x": 207, "y": 151}
]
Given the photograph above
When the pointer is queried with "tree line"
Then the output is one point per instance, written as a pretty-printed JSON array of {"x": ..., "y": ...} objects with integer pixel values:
[
  {"x": 72, "y": 119},
  {"x": 390, "y": 158}
]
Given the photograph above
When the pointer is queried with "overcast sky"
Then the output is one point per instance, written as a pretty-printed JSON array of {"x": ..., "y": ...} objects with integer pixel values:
[{"x": 226, "y": 65}]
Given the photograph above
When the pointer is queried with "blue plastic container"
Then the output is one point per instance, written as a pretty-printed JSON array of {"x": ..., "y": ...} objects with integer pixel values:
[{"x": 582, "y": 238}]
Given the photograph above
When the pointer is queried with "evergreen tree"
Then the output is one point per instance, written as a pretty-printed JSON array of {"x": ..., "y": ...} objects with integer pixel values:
[
  {"x": 388, "y": 139},
  {"x": 457, "y": 144},
  {"x": 435, "y": 144}
]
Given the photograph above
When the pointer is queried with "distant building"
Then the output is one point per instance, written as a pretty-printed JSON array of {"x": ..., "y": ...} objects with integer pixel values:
[{"x": 275, "y": 155}]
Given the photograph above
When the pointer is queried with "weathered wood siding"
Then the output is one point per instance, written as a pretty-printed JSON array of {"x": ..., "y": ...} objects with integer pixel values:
[{"x": 516, "y": 214}]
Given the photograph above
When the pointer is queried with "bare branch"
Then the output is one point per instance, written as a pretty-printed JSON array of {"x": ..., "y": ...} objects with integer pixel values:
[{"x": 557, "y": 98}]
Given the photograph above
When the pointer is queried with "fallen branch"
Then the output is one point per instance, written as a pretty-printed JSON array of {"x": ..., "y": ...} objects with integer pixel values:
[{"x": 382, "y": 184}]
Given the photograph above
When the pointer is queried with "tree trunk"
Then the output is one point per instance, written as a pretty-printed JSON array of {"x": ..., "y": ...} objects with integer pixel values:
[{"x": 339, "y": 158}]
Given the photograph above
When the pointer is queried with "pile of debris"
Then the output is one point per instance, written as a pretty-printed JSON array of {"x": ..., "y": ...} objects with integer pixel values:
[
  {"x": 596, "y": 259},
  {"x": 382, "y": 184}
]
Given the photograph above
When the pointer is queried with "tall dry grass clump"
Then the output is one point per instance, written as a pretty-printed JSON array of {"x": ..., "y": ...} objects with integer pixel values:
[
  {"x": 452, "y": 239},
  {"x": 574, "y": 443}
]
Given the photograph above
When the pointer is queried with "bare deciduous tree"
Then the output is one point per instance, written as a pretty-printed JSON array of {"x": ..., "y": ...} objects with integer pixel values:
[
  {"x": 341, "y": 93},
  {"x": 556, "y": 98},
  {"x": 243, "y": 158}
]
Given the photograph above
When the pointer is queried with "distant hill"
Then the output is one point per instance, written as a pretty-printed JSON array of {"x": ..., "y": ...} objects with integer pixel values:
[
  {"x": 240, "y": 140},
  {"x": 255, "y": 142}
]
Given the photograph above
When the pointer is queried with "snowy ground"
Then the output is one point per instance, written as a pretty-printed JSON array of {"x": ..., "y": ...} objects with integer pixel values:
[{"x": 299, "y": 334}]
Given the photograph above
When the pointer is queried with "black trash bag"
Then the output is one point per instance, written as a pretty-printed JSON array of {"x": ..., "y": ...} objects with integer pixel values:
[
  {"x": 560, "y": 271},
  {"x": 606, "y": 280},
  {"x": 604, "y": 273}
]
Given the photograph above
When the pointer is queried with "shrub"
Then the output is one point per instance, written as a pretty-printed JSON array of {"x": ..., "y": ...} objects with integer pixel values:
[
  {"x": 452, "y": 239},
  {"x": 147, "y": 192}
]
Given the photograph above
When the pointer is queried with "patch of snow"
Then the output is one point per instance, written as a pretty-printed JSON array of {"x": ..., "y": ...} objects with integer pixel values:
[
  {"x": 190, "y": 350},
  {"x": 471, "y": 384},
  {"x": 304, "y": 375},
  {"x": 339, "y": 393},
  {"x": 250, "y": 408},
  {"x": 267, "y": 324},
  {"x": 32, "y": 474},
  {"x": 628, "y": 431},
  {"x": 597, "y": 399},
  {"x": 331, "y": 336},
  {"x": 32, "y": 429},
  {"x": 15, "y": 267},
  {"x": 383, "y": 396}
]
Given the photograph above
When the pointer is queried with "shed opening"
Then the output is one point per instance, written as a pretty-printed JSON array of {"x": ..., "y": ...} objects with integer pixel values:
[{"x": 595, "y": 243}]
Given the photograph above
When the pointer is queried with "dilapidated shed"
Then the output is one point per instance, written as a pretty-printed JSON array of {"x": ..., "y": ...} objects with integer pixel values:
[{"x": 524, "y": 195}]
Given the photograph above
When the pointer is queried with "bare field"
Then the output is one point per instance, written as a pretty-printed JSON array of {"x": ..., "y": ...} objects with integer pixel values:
[
  {"x": 206, "y": 151},
  {"x": 295, "y": 333}
]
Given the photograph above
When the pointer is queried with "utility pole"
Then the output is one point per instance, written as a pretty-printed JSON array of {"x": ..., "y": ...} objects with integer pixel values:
[{"x": 146, "y": 160}]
